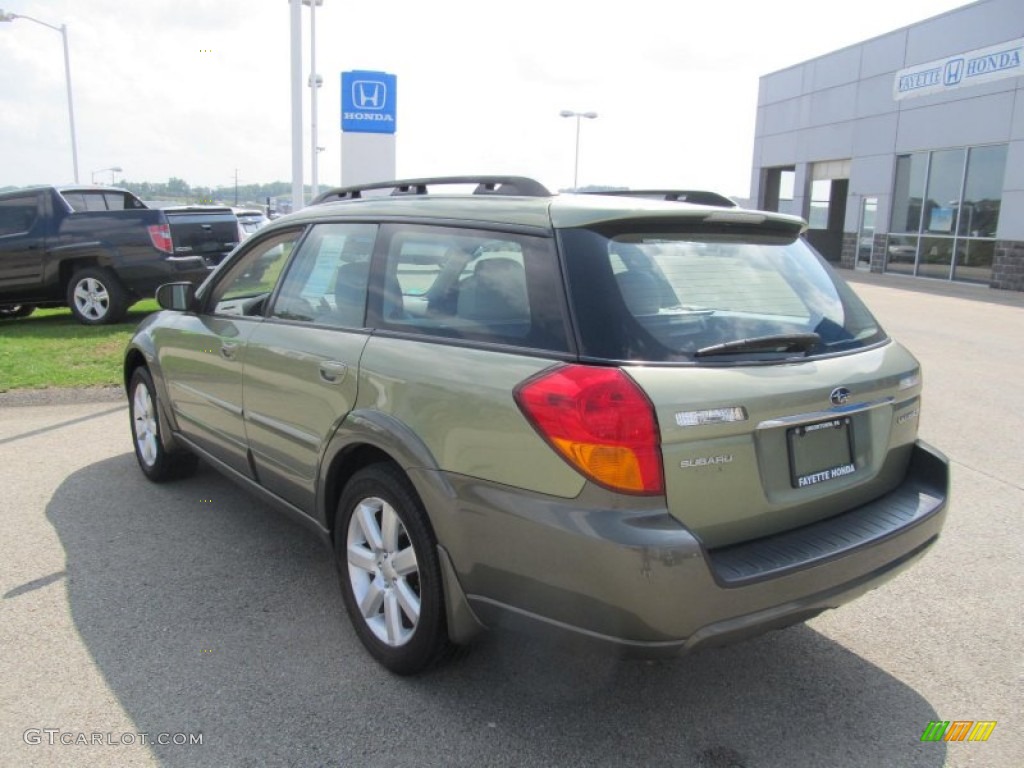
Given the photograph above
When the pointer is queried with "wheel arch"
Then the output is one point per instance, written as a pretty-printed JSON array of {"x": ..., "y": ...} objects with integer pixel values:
[
  {"x": 366, "y": 437},
  {"x": 67, "y": 268},
  {"x": 369, "y": 437},
  {"x": 140, "y": 355}
]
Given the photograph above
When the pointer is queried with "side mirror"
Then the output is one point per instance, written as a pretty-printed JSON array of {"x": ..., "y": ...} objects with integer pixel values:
[{"x": 180, "y": 297}]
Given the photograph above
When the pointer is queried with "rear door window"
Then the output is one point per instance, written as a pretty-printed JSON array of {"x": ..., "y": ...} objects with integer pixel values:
[{"x": 473, "y": 285}]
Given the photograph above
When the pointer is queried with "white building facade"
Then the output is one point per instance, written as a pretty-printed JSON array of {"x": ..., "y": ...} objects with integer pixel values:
[{"x": 905, "y": 153}]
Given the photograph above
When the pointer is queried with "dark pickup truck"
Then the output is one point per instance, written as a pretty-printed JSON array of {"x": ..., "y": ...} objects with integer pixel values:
[{"x": 98, "y": 250}]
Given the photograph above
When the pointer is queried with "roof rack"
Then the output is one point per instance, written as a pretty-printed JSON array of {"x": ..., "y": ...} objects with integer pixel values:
[
  {"x": 697, "y": 196},
  {"x": 485, "y": 185}
]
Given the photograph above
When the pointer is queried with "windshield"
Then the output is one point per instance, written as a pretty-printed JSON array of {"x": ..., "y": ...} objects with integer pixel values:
[{"x": 663, "y": 296}]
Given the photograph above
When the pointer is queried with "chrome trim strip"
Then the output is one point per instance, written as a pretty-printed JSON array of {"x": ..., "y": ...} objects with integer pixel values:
[{"x": 808, "y": 418}]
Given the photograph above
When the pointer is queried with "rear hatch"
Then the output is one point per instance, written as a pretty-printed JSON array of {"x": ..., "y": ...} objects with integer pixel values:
[
  {"x": 207, "y": 231},
  {"x": 780, "y": 401}
]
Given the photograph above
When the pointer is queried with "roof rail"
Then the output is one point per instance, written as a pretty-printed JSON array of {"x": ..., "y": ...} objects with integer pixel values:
[
  {"x": 697, "y": 196},
  {"x": 486, "y": 185}
]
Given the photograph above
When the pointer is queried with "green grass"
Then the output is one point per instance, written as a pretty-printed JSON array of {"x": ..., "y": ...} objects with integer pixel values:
[{"x": 50, "y": 349}]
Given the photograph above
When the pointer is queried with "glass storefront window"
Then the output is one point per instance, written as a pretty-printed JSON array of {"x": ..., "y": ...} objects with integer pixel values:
[
  {"x": 983, "y": 191},
  {"x": 945, "y": 212},
  {"x": 821, "y": 192},
  {"x": 901, "y": 254},
  {"x": 906, "y": 203},
  {"x": 974, "y": 260},
  {"x": 945, "y": 178},
  {"x": 935, "y": 257}
]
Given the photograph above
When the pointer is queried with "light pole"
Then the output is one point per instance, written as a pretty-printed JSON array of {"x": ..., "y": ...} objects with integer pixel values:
[
  {"x": 296, "y": 81},
  {"x": 315, "y": 81},
  {"x": 576, "y": 167},
  {"x": 63, "y": 29},
  {"x": 113, "y": 170}
]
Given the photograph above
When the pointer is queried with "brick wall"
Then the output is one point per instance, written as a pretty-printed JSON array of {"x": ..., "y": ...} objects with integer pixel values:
[
  {"x": 1008, "y": 266},
  {"x": 878, "y": 252},
  {"x": 848, "y": 254}
]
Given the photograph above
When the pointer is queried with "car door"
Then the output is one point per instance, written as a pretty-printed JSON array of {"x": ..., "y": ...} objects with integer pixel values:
[
  {"x": 21, "y": 247},
  {"x": 302, "y": 362},
  {"x": 202, "y": 354}
]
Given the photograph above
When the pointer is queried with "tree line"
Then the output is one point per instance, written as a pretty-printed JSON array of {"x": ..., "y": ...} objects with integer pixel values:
[{"x": 179, "y": 189}]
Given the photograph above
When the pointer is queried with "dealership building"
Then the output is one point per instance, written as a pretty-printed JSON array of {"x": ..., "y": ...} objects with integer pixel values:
[{"x": 905, "y": 153}]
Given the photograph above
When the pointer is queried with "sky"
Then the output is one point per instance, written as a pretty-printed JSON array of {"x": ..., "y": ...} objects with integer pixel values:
[{"x": 200, "y": 89}]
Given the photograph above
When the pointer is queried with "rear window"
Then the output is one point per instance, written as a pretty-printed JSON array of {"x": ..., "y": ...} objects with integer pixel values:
[
  {"x": 101, "y": 201},
  {"x": 708, "y": 296}
]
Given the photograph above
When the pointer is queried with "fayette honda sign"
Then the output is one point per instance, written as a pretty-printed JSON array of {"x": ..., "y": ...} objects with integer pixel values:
[
  {"x": 972, "y": 68},
  {"x": 368, "y": 102}
]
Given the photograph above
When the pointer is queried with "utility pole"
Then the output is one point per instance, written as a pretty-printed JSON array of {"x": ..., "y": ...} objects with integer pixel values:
[
  {"x": 298, "y": 193},
  {"x": 236, "y": 187}
]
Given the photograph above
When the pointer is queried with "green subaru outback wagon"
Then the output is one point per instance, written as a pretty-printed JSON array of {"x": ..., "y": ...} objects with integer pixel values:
[{"x": 655, "y": 425}]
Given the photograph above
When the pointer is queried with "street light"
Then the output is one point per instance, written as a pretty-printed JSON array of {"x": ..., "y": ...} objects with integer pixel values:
[
  {"x": 113, "y": 170},
  {"x": 577, "y": 115},
  {"x": 63, "y": 29},
  {"x": 315, "y": 81}
]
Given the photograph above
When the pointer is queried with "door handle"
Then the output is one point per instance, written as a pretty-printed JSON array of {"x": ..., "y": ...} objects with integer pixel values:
[
  {"x": 333, "y": 372},
  {"x": 228, "y": 350}
]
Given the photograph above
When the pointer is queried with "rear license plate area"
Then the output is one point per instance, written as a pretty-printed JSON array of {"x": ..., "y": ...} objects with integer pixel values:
[{"x": 820, "y": 452}]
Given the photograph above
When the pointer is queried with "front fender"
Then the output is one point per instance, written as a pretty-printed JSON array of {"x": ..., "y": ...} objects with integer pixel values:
[{"x": 141, "y": 350}]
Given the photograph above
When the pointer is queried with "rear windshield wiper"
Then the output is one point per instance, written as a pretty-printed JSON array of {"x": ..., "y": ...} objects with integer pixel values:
[{"x": 783, "y": 342}]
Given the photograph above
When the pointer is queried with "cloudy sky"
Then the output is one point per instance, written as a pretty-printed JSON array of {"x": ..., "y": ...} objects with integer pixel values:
[{"x": 199, "y": 89}]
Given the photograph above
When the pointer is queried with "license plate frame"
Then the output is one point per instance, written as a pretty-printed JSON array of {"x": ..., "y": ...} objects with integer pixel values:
[{"x": 821, "y": 452}]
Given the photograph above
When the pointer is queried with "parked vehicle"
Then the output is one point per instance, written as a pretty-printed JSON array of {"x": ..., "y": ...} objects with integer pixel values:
[
  {"x": 249, "y": 221},
  {"x": 209, "y": 231},
  {"x": 98, "y": 250},
  {"x": 654, "y": 425}
]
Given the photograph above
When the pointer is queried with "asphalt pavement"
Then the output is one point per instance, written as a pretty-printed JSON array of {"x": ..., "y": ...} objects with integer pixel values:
[{"x": 191, "y": 611}]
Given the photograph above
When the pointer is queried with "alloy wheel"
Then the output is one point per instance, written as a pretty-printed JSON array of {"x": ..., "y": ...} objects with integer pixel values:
[
  {"x": 92, "y": 298},
  {"x": 383, "y": 571}
]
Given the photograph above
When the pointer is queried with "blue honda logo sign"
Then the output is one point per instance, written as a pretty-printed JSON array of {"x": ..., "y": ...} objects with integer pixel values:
[
  {"x": 954, "y": 71},
  {"x": 368, "y": 103}
]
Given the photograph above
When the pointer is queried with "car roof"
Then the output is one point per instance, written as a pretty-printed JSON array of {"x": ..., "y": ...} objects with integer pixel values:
[
  {"x": 62, "y": 188},
  {"x": 538, "y": 209}
]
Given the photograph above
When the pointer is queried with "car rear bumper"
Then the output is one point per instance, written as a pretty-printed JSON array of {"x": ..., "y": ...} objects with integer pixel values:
[{"x": 637, "y": 580}]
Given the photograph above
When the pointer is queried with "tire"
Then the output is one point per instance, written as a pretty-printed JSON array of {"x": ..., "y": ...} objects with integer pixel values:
[
  {"x": 397, "y": 582},
  {"x": 96, "y": 296},
  {"x": 18, "y": 310},
  {"x": 155, "y": 461}
]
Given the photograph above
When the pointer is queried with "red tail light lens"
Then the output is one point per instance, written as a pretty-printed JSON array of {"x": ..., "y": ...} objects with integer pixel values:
[
  {"x": 601, "y": 422},
  {"x": 160, "y": 235}
]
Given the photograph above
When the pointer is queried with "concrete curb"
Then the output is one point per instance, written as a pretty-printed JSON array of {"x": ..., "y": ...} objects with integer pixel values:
[{"x": 58, "y": 396}]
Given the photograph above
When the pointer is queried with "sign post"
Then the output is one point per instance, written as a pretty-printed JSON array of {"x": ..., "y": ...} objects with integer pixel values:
[{"x": 369, "y": 111}]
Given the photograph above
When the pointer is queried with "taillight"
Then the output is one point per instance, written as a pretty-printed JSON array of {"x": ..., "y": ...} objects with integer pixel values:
[
  {"x": 601, "y": 422},
  {"x": 160, "y": 235}
]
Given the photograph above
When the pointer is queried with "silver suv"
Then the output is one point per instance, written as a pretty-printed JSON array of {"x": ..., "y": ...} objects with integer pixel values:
[{"x": 655, "y": 425}]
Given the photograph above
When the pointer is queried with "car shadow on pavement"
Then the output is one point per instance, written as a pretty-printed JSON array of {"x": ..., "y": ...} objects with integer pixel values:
[{"x": 208, "y": 612}]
